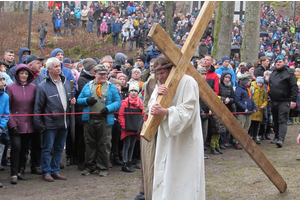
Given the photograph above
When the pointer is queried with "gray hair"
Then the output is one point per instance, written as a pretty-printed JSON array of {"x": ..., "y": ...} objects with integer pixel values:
[
  {"x": 50, "y": 61},
  {"x": 105, "y": 58}
]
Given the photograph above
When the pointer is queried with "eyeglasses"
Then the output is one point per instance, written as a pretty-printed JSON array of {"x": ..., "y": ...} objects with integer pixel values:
[{"x": 101, "y": 74}]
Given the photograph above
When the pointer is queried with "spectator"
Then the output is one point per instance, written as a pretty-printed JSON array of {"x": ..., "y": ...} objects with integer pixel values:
[
  {"x": 66, "y": 17},
  {"x": 91, "y": 20},
  {"x": 8, "y": 60},
  {"x": 129, "y": 135},
  {"x": 103, "y": 30},
  {"x": 116, "y": 30},
  {"x": 78, "y": 16},
  {"x": 84, "y": 17},
  {"x": 42, "y": 34},
  {"x": 21, "y": 128},
  {"x": 54, "y": 129},
  {"x": 91, "y": 97},
  {"x": 225, "y": 67},
  {"x": 58, "y": 25}
]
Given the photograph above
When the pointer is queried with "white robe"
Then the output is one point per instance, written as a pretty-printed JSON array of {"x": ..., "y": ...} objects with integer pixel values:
[{"x": 179, "y": 157}]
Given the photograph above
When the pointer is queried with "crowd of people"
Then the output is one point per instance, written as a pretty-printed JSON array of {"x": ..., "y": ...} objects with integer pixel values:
[{"x": 264, "y": 95}]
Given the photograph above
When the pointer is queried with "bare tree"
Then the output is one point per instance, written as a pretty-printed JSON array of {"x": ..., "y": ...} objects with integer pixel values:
[
  {"x": 223, "y": 28},
  {"x": 41, "y": 6},
  {"x": 250, "y": 44},
  {"x": 169, "y": 17}
]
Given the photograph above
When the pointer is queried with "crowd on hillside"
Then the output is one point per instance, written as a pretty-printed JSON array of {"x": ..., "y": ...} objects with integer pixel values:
[{"x": 264, "y": 94}]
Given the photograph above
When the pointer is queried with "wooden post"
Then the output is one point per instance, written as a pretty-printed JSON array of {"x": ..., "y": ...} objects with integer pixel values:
[{"x": 180, "y": 60}]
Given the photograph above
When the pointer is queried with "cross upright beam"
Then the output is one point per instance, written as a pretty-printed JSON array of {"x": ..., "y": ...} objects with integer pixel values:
[{"x": 180, "y": 59}]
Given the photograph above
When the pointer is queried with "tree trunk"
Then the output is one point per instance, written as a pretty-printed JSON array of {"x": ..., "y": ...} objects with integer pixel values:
[
  {"x": 41, "y": 6},
  {"x": 169, "y": 18},
  {"x": 250, "y": 44},
  {"x": 223, "y": 26}
]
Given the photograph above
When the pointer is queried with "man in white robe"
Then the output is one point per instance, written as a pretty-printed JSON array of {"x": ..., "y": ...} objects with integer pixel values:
[{"x": 179, "y": 161}]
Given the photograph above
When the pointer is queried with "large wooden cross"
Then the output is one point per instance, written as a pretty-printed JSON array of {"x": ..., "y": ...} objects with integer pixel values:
[{"x": 181, "y": 61}]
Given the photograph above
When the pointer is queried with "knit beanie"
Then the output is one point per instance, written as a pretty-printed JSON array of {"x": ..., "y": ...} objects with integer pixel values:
[
  {"x": 260, "y": 79},
  {"x": 89, "y": 64},
  {"x": 121, "y": 75},
  {"x": 67, "y": 60},
  {"x": 243, "y": 69},
  {"x": 56, "y": 51},
  {"x": 225, "y": 58},
  {"x": 142, "y": 57},
  {"x": 130, "y": 61},
  {"x": 134, "y": 85}
]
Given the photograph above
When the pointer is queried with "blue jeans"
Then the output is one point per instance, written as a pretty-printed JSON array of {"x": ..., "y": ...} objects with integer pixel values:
[
  {"x": 91, "y": 26},
  {"x": 131, "y": 44},
  {"x": 115, "y": 39},
  {"x": 53, "y": 139},
  {"x": 297, "y": 36},
  {"x": 77, "y": 22},
  {"x": 42, "y": 42}
]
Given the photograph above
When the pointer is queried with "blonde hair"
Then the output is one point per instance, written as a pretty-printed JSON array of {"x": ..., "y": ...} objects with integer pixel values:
[
  {"x": 136, "y": 70},
  {"x": 297, "y": 70}
]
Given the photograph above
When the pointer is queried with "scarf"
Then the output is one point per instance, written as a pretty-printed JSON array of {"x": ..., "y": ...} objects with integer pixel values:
[
  {"x": 227, "y": 84},
  {"x": 98, "y": 90},
  {"x": 249, "y": 93},
  {"x": 36, "y": 75},
  {"x": 1, "y": 91}
]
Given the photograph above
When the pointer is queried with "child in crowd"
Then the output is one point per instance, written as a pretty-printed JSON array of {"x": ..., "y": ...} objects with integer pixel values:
[
  {"x": 125, "y": 37},
  {"x": 129, "y": 124},
  {"x": 58, "y": 25},
  {"x": 244, "y": 103},
  {"x": 4, "y": 110},
  {"x": 260, "y": 97},
  {"x": 103, "y": 29}
]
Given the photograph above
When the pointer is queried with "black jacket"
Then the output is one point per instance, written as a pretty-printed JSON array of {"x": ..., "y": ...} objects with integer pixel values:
[
  {"x": 227, "y": 91},
  {"x": 47, "y": 101},
  {"x": 283, "y": 85},
  {"x": 259, "y": 71}
]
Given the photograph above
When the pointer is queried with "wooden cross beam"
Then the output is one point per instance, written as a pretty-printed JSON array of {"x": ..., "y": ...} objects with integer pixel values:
[{"x": 180, "y": 59}]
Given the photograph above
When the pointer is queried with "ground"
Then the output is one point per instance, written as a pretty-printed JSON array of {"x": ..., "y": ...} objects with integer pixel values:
[{"x": 233, "y": 175}]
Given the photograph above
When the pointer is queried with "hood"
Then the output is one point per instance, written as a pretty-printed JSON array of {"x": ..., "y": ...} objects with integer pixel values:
[
  {"x": 212, "y": 69},
  {"x": 87, "y": 74},
  {"x": 119, "y": 59},
  {"x": 56, "y": 51},
  {"x": 30, "y": 73},
  {"x": 155, "y": 52},
  {"x": 44, "y": 24},
  {"x": 223, "y": 76},
  {"x": 21, "y": 52}
]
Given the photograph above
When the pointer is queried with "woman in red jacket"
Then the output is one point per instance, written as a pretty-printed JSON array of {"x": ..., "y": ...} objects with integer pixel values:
[
  {"x": 129, "y": 128},
  {"x": 21, "y": 101}
]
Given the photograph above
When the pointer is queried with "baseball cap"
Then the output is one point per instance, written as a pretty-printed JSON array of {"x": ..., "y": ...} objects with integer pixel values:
[{"x": 31, "y": 58}]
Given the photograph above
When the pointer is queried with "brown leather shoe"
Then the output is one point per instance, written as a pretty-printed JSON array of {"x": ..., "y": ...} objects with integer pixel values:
[
  {"x": 48, "y": 178},
  {"x": 59, "y": 177}
]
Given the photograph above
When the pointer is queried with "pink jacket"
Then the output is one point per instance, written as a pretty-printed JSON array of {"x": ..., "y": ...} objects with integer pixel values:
[{"x": 103, "y": 27}]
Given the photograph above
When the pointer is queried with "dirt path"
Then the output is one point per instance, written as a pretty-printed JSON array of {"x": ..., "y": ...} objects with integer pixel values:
[{"x": 232, "y": 175}]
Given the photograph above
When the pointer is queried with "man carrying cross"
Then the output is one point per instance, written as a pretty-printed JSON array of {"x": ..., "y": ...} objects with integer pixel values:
[{"x": 179, "y": 161}]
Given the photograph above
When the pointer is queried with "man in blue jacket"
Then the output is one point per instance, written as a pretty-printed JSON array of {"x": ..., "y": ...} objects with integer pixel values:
[
  {"x": 116, "y": 30},
  {"x": 102, "y": 98}
]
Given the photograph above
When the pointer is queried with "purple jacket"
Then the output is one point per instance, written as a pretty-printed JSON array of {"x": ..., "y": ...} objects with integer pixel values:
[{"x": 21, "y": 101}]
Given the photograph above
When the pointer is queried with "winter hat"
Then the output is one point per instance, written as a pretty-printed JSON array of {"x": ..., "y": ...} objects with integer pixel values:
[
  {"x": 134, "y": 85},
  {"x": 56, "y": 51},
  {"x": 89, "y": 64},
  {"x": 30, "y": 58},
  {"x": 142, "y": 57},
  {"x": 130, "y": 61},
  {"x": 269, "y": 48},
  {"x": 202, "y": 70},
  {"x": 121, "y": 75},
  {"x": 97, "y": 60},
  {"x": 100, "y": 67},
  {"x": 245, "y": 78},
  {"x": 260, "y": 79},
  {"x": 225, "y": 58},
  {"x": 2, "y": 76},
  {"x": 67, "y": 61},
  {"x": 219, "y": 62},
  {"x": 243, "y": 69},
  {"x": 291, "y": 64},
  {"x": 280, "y": 57}
]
